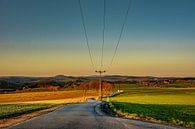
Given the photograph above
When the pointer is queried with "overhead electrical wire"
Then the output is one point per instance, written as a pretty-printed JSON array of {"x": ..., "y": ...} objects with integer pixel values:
[
  {"x": 86, "y": 36},
  {"x": 103, "y": 31},
  {"x": 120, "y": 35}
]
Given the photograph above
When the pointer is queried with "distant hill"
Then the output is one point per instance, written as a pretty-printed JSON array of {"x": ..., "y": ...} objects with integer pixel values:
[{"x": 13, "y": 83}]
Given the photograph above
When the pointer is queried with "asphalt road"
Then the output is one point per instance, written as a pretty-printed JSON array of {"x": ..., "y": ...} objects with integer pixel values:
[{"x": 84, "y": 116}]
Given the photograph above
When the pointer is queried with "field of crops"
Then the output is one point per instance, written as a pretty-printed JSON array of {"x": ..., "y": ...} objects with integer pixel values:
[
  {"x": 42, "y": 96},
  {"x": 166, "y": 105},
  {"x": 15, "y": 104},
  {"x": 12, "y": 110}
]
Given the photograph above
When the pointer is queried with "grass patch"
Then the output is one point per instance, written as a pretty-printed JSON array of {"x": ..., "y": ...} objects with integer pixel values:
[
  {"x": 169, "y": 105},
  {"x": 183, "y": 115},
  {"x": 13, "y": 110},
  {"x": 179, "y": 85}
]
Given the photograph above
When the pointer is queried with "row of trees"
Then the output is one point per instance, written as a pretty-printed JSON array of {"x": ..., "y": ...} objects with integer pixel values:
[{"x": 107, "y": 87}]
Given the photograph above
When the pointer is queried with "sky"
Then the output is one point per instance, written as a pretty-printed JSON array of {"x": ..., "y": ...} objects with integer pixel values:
[{"x": 46, "y": 37}]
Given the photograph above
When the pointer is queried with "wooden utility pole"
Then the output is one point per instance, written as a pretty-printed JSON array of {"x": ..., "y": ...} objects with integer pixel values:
[{"x": 100, "y": 83}]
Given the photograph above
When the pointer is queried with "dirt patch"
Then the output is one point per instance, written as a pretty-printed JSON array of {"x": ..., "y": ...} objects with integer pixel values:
[{"x": 15, "y": 120}]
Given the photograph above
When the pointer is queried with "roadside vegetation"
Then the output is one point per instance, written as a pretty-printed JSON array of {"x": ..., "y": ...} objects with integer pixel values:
[
  {"x": 13, "y": 110},
  {"x": 165, "y": 105}
]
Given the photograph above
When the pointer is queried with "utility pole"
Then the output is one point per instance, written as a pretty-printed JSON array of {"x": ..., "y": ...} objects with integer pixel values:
[
  {"x": 100, "y": 83},
  {"x": 119, "y": 87}
]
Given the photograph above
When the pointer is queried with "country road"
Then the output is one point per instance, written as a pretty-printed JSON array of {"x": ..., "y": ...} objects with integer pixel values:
[{"x": 84, "y": 116}]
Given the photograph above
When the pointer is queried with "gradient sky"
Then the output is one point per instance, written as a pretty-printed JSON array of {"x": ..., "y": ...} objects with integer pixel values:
[{"x": 45, "y": 37}]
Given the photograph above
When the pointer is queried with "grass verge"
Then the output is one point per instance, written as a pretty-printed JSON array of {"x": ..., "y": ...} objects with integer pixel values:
[
  {"x": 182, "y": 115},
  {"x": 13, "y": 110}
]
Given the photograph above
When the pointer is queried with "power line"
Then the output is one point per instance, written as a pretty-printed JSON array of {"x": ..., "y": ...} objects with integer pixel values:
[
  {"x": 103, "y": 31},
  {"x": 86, "y": 37},
  {"x": 121, "y": 32}
]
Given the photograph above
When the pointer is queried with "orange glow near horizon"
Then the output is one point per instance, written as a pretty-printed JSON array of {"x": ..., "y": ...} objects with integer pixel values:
[{"x": 50, "y": 64}]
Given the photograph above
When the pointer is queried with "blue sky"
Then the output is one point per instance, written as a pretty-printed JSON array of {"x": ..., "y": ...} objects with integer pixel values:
[{"x": 158, "y": 39}]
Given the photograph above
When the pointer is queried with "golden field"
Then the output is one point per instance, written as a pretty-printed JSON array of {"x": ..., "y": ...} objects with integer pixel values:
[{"x": 46, "y": 97}]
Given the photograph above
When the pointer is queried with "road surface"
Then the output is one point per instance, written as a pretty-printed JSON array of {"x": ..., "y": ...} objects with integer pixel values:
[{"x": 84, "y": 116}]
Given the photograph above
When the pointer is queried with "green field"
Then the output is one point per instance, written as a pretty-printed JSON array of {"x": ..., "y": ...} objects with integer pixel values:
[
  {"x": 13, "y": 110},
  {"x": 166, "y": 105}
]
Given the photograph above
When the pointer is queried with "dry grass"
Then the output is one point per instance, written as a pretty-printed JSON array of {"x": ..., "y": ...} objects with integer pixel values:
[{"x": 45, "y": 97}]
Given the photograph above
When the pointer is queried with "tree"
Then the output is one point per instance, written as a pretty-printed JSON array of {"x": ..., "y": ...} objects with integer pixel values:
[
  {"x": 84, "y": 87},
  {"x": 107, "y": 87},
  {"x": 94, "y": 85}
]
